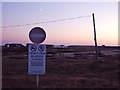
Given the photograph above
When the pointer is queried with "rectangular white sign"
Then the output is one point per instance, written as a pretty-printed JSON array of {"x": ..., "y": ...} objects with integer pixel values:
[{"x": 36, "y": 58}]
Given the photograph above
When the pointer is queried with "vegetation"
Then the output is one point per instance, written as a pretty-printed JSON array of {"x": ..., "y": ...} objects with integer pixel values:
[{"x": 79, "y": 71}]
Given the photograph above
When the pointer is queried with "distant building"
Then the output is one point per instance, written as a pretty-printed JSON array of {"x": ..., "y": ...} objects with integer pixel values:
[
  {"x": 14, "y": 45},
  {"x": 49, "y": 46},
  {"x": 103, "y": 45},
  {"x": 60, "y": 46}
]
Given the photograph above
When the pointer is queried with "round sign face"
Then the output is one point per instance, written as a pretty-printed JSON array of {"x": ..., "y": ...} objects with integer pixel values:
[
  {"x": 41, "y": 48},
  {"x": 33, "y": 48},
  {"x": 37, "y": 35}
]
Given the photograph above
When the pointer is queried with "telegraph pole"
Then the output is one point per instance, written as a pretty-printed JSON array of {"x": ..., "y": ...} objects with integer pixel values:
[{"x": 95, "y": 39}]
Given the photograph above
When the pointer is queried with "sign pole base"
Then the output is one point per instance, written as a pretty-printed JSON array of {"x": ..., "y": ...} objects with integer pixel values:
[{"x": 37, "y": 79}]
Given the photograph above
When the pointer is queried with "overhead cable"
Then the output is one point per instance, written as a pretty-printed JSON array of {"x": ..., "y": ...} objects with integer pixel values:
[{"x": 52, "y": 21}]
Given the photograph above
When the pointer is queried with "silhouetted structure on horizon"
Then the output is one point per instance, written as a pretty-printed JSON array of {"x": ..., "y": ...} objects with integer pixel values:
[{"x": 14, "y": 45}]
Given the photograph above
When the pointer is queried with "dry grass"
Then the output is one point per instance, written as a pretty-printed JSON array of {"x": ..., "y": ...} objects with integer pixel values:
[{"x": 62, "y": 72}]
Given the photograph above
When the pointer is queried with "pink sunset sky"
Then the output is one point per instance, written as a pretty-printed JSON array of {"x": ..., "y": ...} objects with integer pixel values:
[{"x": 77, "y": 31}]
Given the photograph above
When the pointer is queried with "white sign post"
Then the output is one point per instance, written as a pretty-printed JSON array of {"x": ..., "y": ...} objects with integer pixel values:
[{"x": 37, "y": 53}]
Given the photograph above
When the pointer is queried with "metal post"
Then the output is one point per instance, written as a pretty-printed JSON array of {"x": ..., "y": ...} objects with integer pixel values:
[
  {"x": 95, "y": 39},
  {"x": 37, "y": 80}
]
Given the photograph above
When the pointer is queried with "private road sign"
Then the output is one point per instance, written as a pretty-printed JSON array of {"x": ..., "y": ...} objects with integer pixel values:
[{"x": 37, "y": 51}]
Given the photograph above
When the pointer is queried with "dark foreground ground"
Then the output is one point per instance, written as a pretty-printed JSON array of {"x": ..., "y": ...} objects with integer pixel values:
[{"x": 65, "y": 68}]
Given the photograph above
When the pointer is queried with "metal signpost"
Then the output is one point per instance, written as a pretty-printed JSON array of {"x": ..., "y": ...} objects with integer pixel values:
[{"x": 37, "y": 53}]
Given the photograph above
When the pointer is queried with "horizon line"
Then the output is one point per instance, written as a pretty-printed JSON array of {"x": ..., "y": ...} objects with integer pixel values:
[{"x": 59, "y": 44}]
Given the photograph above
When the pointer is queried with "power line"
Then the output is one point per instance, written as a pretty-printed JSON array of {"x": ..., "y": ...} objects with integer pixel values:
[{"x": 46, "y": 22}]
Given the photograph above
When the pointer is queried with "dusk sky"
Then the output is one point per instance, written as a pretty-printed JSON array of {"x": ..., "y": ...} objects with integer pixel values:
[{"x": 77, "y": 31}]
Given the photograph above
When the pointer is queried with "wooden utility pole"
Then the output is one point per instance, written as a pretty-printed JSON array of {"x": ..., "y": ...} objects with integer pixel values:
[{"x": 95, "y": 39}]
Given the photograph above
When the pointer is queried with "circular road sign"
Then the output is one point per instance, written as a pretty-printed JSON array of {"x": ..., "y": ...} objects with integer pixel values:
[
  {"x": 41, "y": 48},
  {"x": 33, "y": 48},
  {"x": 37, "y": 35}
]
